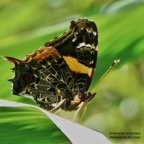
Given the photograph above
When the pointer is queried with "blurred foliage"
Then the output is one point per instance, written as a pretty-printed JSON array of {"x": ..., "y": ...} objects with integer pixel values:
[{"x": 118, "y": 105}]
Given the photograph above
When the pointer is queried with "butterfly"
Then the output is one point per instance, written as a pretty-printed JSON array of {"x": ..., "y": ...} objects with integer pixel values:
[{"x": 58, "y": 75}]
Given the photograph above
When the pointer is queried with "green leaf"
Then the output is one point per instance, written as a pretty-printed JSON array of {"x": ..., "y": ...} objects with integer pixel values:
[
  {"x": 20, "y": 123},
  {"x": 28, "y": 125}
]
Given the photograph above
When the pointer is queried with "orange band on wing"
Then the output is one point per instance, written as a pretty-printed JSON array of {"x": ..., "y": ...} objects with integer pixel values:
[{"x": 76, "y": 66}]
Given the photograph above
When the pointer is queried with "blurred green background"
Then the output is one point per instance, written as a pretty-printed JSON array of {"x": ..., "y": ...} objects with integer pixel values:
[{"x": 118, "y": 105}]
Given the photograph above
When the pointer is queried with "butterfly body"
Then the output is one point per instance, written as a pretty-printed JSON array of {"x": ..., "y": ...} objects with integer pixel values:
[{"x": 58, "y": 74}]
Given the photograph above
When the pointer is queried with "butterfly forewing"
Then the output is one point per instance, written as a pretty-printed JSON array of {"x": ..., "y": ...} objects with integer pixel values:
[{"x": 79, "y": 47}]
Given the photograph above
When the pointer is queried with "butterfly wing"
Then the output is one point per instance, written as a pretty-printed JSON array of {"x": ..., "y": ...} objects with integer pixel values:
[
  {"x": 79, "y": 47},
  {"x": 61, "y": 69}
]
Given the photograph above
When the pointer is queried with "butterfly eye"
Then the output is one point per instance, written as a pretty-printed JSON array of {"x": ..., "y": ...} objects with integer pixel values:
[{"x": 27, "y": 77}]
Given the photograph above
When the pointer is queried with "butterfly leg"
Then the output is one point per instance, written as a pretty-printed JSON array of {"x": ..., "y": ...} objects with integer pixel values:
[
  {"x": 58, "y": 105},
  {"x": 87, "y": 96},
  {"x": 80, "y": 106},
  {"x": 84, "y": 111}
]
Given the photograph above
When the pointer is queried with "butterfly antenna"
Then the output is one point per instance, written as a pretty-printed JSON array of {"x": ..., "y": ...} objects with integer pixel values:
[{"x": 106, "y": 73}]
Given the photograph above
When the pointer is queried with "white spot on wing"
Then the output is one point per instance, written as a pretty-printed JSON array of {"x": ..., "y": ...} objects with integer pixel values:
[
  {"x": 96, "y": 48},
  {"x": 74, "y": 40},
  {"x": 88, "y": 45},
  {"x": 94, "y": 33},
  {"x": 90, "y": 72},
  {"x": 91, "y": 62},
  {"x": 81, "y": 45}
]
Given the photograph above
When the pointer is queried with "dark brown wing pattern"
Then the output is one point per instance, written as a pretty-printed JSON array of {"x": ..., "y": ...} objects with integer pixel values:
[
  {"x": 79, "y": 48},
  {"x": 59, "y": 74}
]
